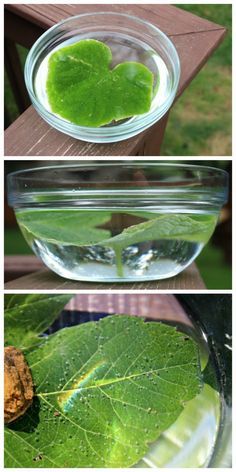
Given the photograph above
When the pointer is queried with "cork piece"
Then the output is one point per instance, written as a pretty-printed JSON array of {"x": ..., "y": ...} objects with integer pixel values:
[{"x": 18, "y": 384}]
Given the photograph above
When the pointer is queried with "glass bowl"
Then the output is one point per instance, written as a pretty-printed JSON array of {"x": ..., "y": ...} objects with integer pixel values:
[
  {"x": 130, "y": 39},
  {"x": 118, "y": 222}
]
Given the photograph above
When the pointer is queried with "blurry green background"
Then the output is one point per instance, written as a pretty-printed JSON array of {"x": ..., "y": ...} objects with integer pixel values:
[
  {"x": 200, "y": 122},
  {"x": 214, "y": 262}
]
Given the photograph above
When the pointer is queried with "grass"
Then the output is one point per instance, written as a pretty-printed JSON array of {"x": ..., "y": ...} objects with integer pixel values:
[
  {"x": 200, "y": 122},
  {"x": 215, "y": 272},
  {"x": 14, "y": 243}
]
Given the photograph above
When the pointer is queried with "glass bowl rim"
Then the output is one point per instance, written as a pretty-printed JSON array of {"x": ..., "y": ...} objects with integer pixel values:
[
  {"x": 145, "y": 119},
  {"x": 201, "y": 168},
  {"x": 201, "y": 183}
]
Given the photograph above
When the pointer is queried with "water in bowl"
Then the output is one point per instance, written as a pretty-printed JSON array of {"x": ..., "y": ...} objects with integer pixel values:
[
  {"x": 124, "y": 48},
  {"x": 114, "y": 245}
]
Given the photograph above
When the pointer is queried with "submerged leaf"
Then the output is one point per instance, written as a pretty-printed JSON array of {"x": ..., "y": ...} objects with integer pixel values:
[
  {"x": 104, "y": 392},
  {"x": 181, "y": 227},
  {"x": 65, "y": 226},
  {"x": 83, "y": 89},
  {"x": 83, "y": 228}
]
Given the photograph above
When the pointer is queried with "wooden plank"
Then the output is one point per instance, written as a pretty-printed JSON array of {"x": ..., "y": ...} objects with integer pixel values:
[
  {"x": 149, "y": 306},
  {"x": 46, "y": 141},
  {"x": 156, "y": 306},
  {"x": 44, "y": 279},
  {"x": 19, "y": 30},
  {"x": 194, "y": 49},
  {"x": 170, "y": 19},
  {"x": 17, "y": 266}
]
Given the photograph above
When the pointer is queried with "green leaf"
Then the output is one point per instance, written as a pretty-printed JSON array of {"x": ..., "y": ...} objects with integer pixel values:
[
  {"x": 27, "y": 316},
  {"x": 82, "y": 228},
  {"x": 83, "y": 89},
  {"x": 65, "y": 226},
  {"x": 104, "y": 392},
  {"x": 169, "y": 227},
  {"x": 175, "y": 448}
]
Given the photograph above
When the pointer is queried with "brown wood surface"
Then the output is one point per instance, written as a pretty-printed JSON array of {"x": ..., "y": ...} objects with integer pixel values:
[
  {"x": 156, "y": 306},
  {"x": 194, "y": 38},
  {"x": 20, "y": 30},
  {"x": 44, "y": 279},
  {"x": 171, "y": 20},
  {"x": 18, "y": 266}
]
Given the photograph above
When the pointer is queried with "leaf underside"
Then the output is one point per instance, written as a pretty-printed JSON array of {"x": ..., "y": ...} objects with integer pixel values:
[{"x": 104, "y": 392}]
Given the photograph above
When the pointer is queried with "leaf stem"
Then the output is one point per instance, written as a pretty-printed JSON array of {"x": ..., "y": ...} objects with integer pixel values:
[{"x": 119, "y": 265}]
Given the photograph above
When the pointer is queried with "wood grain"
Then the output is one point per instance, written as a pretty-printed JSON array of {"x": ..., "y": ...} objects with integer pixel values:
[
  {"x": 18, "y": 266},
  {"x": 195, "y": 40},
  {"x": 44, "y": 279},
  {"x": 169, "y": 18},
  {"x": 156, "y": 306}
]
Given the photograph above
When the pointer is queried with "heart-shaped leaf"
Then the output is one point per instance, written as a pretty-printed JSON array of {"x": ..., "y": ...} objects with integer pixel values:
[
  {"x": 103, "y": 392},
  {"x": 83, "y": 89}
]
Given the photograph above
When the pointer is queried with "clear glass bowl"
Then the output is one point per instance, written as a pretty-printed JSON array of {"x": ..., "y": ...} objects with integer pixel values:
[
  {"x": 118, "y": 222},
  {"x": 130, "y": 39}
]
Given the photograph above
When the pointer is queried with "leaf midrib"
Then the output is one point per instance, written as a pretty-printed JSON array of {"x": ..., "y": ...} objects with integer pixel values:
[{"x": 113, "y": 381}]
